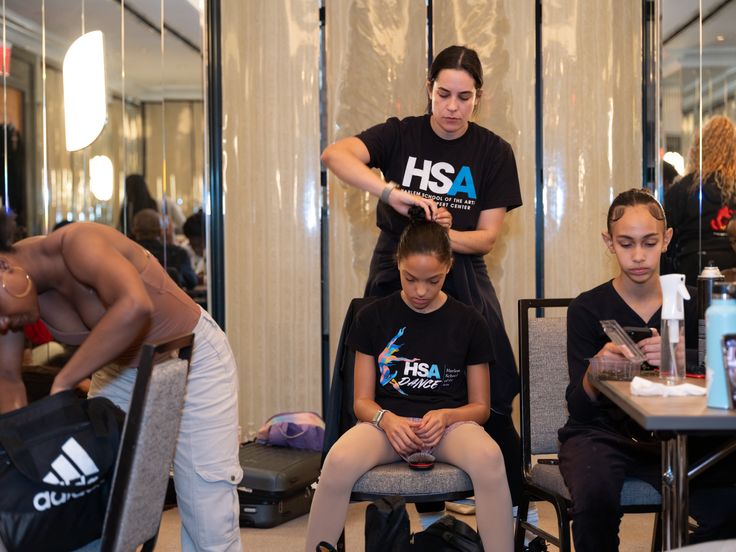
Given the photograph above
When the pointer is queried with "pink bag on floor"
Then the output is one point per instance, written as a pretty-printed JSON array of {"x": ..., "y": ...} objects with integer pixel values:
[{"x": 300, "y": 430}]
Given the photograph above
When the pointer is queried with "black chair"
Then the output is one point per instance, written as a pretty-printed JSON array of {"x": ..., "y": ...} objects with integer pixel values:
[
  {"x": 442, "y": 483},
  {"x": 544, "y": 378}
]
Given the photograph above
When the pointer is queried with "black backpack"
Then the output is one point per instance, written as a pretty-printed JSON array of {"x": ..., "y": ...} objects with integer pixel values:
[
  {"x": 387, "y": 525},
  {"x": 448, "y": 534}
]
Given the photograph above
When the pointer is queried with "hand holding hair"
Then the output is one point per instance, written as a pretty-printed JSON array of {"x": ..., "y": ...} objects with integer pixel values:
[
  {"x": 444, "y": 218},
  {"x": 401, "y": 201}
]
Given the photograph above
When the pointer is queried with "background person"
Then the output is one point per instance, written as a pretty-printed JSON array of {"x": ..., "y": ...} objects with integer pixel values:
[
  {"x": 137, "y": 198},
  {"x": 95, "y": 288},
  {"x": 697, "y": 238},
  {"x": 437, "y": 408},
  {"x": 464, "y": 177},
  {"x": 148, "y": 232},
  {"x": 195, "y": 244},
  {"x": 600, "y": 444}
]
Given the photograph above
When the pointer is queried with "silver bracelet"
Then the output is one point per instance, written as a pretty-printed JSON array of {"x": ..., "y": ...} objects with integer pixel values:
[
  {"x": 387, "y": 192},
  {"x": 378, "y": 417}
]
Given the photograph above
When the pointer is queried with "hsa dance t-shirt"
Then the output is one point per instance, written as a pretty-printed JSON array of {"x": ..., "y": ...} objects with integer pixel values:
[{"x": 421, "y": 359}]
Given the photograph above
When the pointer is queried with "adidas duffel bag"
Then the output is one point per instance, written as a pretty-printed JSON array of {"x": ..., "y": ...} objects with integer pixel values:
[{"x": 57, "y": 456}]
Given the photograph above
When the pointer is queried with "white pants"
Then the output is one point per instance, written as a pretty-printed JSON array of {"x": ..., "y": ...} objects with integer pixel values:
[{"x": 206, "y": 465}]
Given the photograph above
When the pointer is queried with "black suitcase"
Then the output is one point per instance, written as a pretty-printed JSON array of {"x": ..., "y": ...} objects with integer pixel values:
[{"x": 277, "y": 484}]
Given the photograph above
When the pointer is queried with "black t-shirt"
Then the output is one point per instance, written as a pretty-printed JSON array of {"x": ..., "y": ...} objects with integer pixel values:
[
  {"x": 585, "y": 337},
  {"x": 693, "y": 232},
  {"x": 421, "y": 359},
  {"x": 467, "y": 175},
  {"x": 682, "y": 207}
]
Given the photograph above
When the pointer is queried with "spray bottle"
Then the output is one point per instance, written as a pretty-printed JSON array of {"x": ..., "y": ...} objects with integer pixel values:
[
  {"x": 672, "y": 367},
  {"x": 706, "y": 279}
]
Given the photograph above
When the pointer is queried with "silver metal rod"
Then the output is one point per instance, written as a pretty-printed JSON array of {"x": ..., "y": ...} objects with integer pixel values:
[{"x": 674, "y": 492}]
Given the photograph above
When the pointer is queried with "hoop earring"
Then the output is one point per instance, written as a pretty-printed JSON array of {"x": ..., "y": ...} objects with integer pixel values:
[{"x": 25, "y": 292}]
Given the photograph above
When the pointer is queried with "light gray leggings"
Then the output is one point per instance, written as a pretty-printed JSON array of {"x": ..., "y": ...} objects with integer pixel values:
[{"x": 364, "y": 446}]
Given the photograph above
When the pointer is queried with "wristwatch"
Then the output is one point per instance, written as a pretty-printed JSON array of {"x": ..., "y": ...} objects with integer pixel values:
[{"x": 377, "y": 417}]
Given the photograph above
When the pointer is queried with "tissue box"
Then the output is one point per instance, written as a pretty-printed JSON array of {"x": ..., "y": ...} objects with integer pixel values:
[{"x": 606, "y": 368}]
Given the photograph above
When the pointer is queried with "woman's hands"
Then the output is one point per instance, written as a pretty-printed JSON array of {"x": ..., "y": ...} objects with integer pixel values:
[
  {"x": 401, "y": 434},
  {"x": 432, "y": 427},
  {"x": 444, "y": 218},
  {"x": 407, "y": 436},
  {"x": 400, "y": 201}
]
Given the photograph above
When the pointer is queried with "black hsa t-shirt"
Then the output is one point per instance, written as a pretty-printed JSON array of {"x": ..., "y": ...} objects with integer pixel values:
[
  {"x": 467, "y": 175},
  {"x": 421, "y": 359}
]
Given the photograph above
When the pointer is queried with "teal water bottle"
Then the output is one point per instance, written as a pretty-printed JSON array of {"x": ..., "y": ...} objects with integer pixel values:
[{"x": 720, "y": 319}]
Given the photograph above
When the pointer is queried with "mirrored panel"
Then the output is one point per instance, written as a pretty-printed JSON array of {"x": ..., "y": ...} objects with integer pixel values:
[
  {"x": 150, "y": 152},
  {"x": 698, "y": 106}
]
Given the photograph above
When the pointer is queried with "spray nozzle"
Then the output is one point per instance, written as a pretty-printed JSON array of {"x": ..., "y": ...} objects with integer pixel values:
[{"x": 673, "y": 294}]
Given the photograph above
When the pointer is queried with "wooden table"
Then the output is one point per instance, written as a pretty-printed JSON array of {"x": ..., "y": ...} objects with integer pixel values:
[{"x": 673, "y": 418}]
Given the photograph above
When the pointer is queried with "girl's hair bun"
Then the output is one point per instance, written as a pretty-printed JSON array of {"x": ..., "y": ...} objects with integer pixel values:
[{"x": 417, "y": 215}]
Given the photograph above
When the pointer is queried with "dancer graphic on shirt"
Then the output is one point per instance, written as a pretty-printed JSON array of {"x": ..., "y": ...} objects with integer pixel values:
[{"x": 386, "y": 358}]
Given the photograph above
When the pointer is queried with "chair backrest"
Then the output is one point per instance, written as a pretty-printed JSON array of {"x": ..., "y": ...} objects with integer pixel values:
[
  {"x": 339, "y": 416},
  {"x": 147, "y": 447},
  {"x": 544, "y": 376}
]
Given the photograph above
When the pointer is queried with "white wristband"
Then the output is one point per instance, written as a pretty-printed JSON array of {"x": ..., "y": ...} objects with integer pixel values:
[{"x": 387, "y": 192}]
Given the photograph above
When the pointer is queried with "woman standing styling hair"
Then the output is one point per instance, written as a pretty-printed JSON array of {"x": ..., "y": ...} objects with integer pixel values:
[
  {"x": 464, "y": 177},
  {"x": 421, "y": 377}
]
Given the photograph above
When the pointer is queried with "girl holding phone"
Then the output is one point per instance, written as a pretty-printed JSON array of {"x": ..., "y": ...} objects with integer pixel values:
[{"x": 600, "y": 444}]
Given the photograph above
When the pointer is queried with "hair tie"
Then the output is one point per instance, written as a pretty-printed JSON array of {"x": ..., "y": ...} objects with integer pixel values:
[{"x": 25, "y": 292}]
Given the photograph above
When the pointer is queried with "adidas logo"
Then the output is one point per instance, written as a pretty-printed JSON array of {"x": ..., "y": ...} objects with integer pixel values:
[{"x": 72, "y": 467}]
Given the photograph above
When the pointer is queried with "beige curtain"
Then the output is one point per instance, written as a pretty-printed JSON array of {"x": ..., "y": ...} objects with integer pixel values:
[
  {"x": 270, "y": 67},
  {"x": 375, "y": 67}
]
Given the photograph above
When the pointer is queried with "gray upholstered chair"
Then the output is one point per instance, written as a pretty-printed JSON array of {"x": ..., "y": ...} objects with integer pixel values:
[
  {"x": 544, "y": 378},
  {"x": 442, "y": 483},
  {"x": 147, "y": 448}
]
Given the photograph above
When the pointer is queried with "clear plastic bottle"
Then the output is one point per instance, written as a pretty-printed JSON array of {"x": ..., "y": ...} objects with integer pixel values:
[
  {"x": 720, "y": 319},
  {"x": 672, "y": 362}
]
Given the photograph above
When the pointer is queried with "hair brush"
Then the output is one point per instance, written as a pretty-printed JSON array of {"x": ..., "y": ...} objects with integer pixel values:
[{"x": 420, "y": 461}]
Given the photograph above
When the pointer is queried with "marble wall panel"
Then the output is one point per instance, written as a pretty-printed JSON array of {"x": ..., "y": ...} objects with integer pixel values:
[
  {"x": 591, "y": 131},
  {"x": 271, "y": 146},
  {"x": 376, "y": 59},
  {"x": 502, "y": 32}
]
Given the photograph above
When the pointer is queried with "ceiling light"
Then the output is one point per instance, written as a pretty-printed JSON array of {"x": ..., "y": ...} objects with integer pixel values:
[
  {"x": 101, "y": 177},
  {"x": 676, "y": 160},
  {"x": 85, "y": 97}
]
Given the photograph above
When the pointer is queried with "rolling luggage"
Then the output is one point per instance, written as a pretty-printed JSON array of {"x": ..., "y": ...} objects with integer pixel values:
[{"x": 277, "y": 484}]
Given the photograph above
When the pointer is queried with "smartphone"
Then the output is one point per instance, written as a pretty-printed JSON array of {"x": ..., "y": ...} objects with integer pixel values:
[
  {"x": 637, "y": 334},
  {"x": 729, "y": 363}
]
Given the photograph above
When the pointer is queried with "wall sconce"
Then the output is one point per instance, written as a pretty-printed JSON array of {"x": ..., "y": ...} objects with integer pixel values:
[
  {"x": 100, "y": 176},
  {"x": 85, "y": 97}
]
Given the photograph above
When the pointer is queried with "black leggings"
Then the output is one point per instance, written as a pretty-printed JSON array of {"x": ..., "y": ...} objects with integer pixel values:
[{"x": 594, "y": 463}]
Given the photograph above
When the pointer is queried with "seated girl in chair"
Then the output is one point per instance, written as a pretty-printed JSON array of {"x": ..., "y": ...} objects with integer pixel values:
[{"x": 421, "y": 385}]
